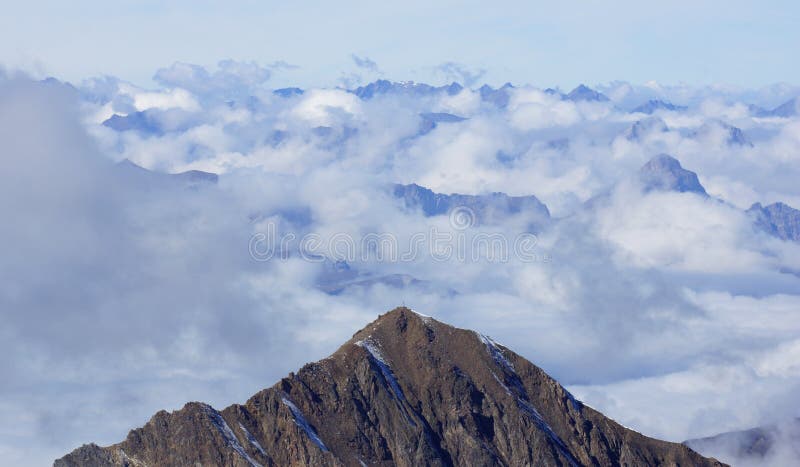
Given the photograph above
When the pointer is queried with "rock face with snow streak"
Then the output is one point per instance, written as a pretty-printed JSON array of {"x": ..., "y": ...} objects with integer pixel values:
[{"x": 406, "y": 390}]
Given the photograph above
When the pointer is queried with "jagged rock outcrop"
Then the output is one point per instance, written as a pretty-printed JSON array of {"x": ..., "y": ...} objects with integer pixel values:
[
  {"x": 406, "y": 390},
  {"x": 499, "y": 97},
  {"x": 645, "y": 127},
  {"x": 777, "y": 219},
  {"x": 488, "y": 209},
  {"x": 585, "y": 93},
  {"x": 383, "y": 86}
]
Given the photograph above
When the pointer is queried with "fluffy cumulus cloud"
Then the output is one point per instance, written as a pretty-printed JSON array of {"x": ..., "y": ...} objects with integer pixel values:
[{"x": 130, "y": 284}]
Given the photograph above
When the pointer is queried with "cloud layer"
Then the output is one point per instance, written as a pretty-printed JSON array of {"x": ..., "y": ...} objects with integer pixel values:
[{"x": 124, "y": 294}]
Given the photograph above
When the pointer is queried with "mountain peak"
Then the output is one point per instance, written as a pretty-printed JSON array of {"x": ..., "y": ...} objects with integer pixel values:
[
  {"x": 789, "y": 108},
  {"x": 585, "y": 93},
  {"x": 488, "y": 208},
  {"x": 653, "y": 105},
  {"x": 383, "y": 86},
  {"x": 644, "y": 127},
  {"x": 665, "y": 173},
  {"x": 405, "y": 390},
  {"x": 777, "y": 219}
]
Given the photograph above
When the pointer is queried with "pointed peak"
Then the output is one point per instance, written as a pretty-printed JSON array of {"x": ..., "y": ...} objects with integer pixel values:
[
  {"x": 585, "y": 93},
  {"x": 665, "y": 173},
  {"x": 390, "y": 370},
  {"x": 396, "y": 321},
  {"x": 663, "y": 161}
]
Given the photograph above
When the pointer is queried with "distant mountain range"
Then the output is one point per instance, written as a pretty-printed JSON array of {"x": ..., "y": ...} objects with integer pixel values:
[
  {"x": 654, "y": 105},
  {"x": 775, "y": 445},
  {"x": 665, "y": 173},
  {"x": 488, "y": 209},
  {"x": 777, "y": 219},
  {"x": 790, "y": 108},
  {"x": 498, "y": 96},
  {"x": 787, "y": 109},
  {"x": 383, "y": 86},
  {"x": 661, "y": 173},
  {"x": 406, "y": 390}
]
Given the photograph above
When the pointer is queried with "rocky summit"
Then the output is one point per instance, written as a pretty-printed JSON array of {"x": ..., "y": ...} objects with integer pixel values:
[
  {"x": 406, "y": 390},
  {"x": 664, "y": 173}
]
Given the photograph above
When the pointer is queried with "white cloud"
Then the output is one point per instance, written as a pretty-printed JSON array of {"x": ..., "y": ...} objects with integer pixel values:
[
  {"x": 172, "y": 99},
  {"x": 671, "y": 303},
  {"x": 326, "y": 107}
]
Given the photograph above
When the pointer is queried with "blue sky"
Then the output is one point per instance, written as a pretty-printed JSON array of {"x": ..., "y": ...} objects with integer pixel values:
[{"x": 543, "y": 43}]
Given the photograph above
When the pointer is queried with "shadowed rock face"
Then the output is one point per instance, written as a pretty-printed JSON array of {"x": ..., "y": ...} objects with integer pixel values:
[
  {"x": 665, "y": 173},
  {"x": 408, "y": 391}
]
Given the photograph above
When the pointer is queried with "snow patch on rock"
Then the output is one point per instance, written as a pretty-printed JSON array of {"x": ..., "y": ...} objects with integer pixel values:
[
  {"x": 301, "y": 421},
  {"x": 227, "y": 433},
  {"x": 252, "y": 440}
]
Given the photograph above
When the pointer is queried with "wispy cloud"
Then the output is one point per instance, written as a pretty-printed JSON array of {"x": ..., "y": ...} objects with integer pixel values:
[
  {"x": 365, "y": 63},
  {"x": 461, "y": 73}
]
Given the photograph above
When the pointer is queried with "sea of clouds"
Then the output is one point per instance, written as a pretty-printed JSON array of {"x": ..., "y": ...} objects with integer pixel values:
[{"x": 123, "y": 292}]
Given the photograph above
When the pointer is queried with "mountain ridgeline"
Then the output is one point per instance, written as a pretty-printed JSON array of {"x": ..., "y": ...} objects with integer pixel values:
[
  {"x": 488, "y": 209},
  {"x": 772, "y": 445},
  {"x": 406, "y": 390}
]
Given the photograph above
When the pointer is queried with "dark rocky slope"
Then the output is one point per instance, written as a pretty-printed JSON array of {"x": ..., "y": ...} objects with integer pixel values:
[{"x": 408, "y": 391}]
